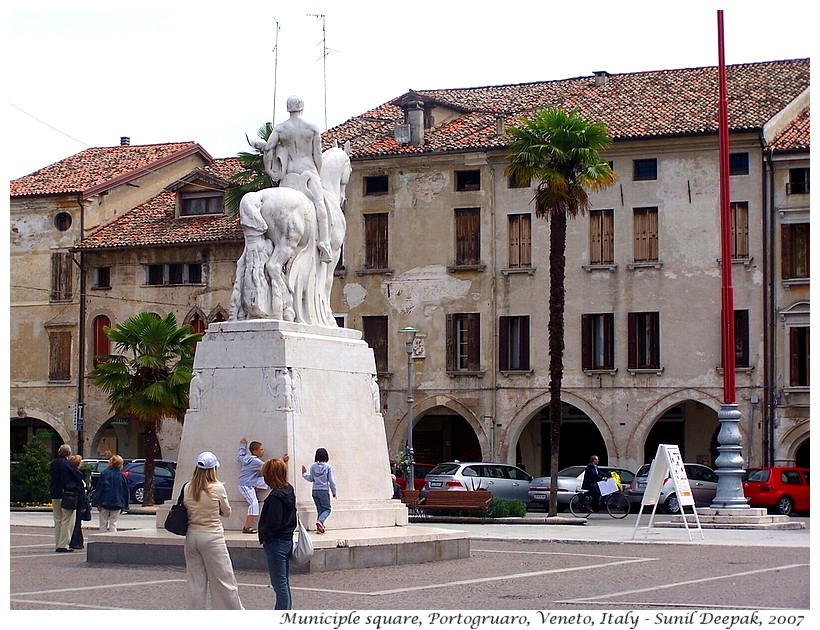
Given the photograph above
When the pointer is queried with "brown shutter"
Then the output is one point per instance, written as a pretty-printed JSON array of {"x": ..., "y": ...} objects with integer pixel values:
[
  {"x": 451, "y": 343},
  {"x": 473, "y": 342},
  {"x": 632, "y": 340},
  {"x": 586, "y": 342},
  {"x": 607, "y": 237},
  {"x": 786, "y": 254},
  {"x": 503, "y": 343},
  {"x": 609, "y": 341},
  {"x": 59, "y": 360},
  {"x": 526, "y": 240},
  {"x": 515, "y": 240},
  {"x": 524, "y": 343},
  {"x": 102, "y": 344}
]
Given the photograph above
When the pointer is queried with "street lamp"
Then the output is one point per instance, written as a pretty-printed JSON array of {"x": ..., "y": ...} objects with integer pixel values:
[{"x": 409, "y": 336}]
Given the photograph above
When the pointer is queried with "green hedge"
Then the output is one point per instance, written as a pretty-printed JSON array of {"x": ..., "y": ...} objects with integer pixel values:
[{"x": 501, "y": 508}]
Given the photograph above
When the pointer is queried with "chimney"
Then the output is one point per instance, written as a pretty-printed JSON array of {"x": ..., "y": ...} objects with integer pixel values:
[
  {"x": 601, "y": 77},
  {"x": 499, "y": 125},
  {"x": 414, "y": 115},
  {"x": 125, "y": 141}
]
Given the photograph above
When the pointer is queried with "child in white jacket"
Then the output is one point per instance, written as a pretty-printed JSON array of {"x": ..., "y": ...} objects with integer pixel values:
[{"x": 321, "y": 476}]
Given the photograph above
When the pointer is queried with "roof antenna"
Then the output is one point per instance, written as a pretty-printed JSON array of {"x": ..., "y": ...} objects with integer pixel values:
[
  {"x": 324, "y": 56},
  {"x": 275, "y": 67}
]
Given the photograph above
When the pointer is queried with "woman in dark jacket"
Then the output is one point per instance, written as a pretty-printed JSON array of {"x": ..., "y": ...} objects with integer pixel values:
[
  {"x": 110, "y": 495},
  {"x": 277, "y": 522},
  {"x": 83, "y": 509}
]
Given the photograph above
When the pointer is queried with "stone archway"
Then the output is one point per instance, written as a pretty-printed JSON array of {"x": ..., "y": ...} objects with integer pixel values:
[
  {"x": 447, "y": 417},
  {"x": 580, "y": 416}
]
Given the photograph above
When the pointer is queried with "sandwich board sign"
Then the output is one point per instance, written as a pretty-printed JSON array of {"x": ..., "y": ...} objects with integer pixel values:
[{"x": 668, "y": 464}]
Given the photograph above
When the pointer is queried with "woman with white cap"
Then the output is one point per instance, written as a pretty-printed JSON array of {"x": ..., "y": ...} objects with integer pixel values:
[{"x": 206, "y": 554}]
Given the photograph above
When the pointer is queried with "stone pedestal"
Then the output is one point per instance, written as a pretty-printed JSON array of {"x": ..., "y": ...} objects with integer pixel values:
[{"x": 294, "y": 388}]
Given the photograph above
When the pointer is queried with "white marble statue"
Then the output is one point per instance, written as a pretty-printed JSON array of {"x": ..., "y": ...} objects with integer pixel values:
[{"x": 293, "y": 233}]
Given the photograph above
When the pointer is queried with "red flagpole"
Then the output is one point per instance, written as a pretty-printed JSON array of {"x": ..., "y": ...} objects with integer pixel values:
[{"x": 727, "y": 294}]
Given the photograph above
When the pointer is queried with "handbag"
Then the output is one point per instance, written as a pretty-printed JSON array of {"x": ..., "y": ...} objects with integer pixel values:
[
  {"x": 69, "y": 500},
  {"x": 177, "y": 520},
  {"x": 303, "y": 546}
]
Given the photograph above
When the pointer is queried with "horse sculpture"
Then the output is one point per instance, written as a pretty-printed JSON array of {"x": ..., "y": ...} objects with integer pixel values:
[{"x": 280, "y": 275}]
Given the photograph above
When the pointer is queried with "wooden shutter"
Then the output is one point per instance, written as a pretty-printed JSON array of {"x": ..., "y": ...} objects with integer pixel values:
[
  {"x": 607, "y": 237},
  {"x": 61, "y": 276},
  {"x": 375, "y": 241},
  {"x": 586, "y": 342},
  {"x": 524, "y": 343},
  {"x": 609, "y": 341},
  {"x": 504, "y": 342},
  {"x": 473, "y": 342},
  {"x": 451, "y": 343},
  {"x": 102, "y": 344},
  {"x": 59, "y": 359},
  {"x": 375, "y": 334},
  {"x": 632, "y": 340},
  {"x": 740, "y": 230},
  {"x": 468, "y": 236}
]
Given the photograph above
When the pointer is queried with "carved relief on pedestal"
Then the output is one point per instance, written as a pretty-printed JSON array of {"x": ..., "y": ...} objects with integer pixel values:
[
  {"x": 202, "y": 380},
  {"x": 283, "y": 387}
]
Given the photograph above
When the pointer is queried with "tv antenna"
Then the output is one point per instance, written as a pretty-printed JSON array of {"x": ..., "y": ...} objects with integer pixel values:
[
  {"x": 325, "y": 52},
  {"x": 275, "y": 69}
]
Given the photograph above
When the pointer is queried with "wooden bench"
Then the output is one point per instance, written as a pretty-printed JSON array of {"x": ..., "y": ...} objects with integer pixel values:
[
  {"x": 463, "y": 501},
  {"x": 410, "y": 498}
]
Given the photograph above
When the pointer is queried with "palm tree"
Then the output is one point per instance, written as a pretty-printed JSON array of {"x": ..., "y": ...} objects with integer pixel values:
[
  {"x": 150, "y": 380},
  {"x": 252, "y": 177},
  {"x": 560, "y": 152}
]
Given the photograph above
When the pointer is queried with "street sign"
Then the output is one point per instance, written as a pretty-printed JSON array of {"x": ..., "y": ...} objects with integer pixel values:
[{"x": 78, "y": 416}]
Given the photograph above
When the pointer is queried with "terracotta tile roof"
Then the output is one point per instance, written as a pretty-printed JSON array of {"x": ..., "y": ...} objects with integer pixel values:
[
  {"x": 94, "y": 170},
  {"x": 634, "y": 105},
  {"x": 795, "y": 137},
  {"x": 154, "y": 224}
]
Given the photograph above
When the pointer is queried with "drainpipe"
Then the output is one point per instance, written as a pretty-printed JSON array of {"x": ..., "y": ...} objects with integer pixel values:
[{"x": 81, "y": 338}]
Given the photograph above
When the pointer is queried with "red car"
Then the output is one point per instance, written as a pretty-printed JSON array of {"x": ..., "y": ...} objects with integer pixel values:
[
  {"x": 781, "y": 489},
  {"x": 419, "y": 472}
]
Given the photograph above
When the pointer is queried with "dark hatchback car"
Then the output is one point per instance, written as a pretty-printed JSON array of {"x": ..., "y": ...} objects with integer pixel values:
[{"x": 164, "y": 473}]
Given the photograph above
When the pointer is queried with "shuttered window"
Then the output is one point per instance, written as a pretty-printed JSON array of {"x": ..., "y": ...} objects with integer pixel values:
[
  {"x": 601, "y": 237},
  {"x": 59, "y": 355},
  {"x": 520, "y": 240},
  {"x": 799, "y": 356},
  {"x": 644, "y": 341},
  {"x": 597, "y": 341},
  {"x": 514, "y": 343},
  {"x": 102, "y": 344},
  {"x": 375, "y": 241},
  {"x": 646, "y": 234},
  {"x": 61, "y": 277},
  {"x": 375, "y": 334},
  {"x": 463, "y": 342},
  {"x": 795, "y": 250},
  {"x": 740, "y": 229},
  {"x": 468, "y": 236}
]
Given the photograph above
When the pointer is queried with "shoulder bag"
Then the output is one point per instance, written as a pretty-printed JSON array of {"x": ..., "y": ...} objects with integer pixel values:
[
  {"x": 69, "y": 500},
  {"x": 303, "y": 547},
  {"x": 177, "y": 520}
]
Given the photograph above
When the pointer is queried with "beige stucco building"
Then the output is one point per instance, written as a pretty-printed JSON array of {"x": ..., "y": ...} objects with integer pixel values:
[{"x": 439, "y": 240}]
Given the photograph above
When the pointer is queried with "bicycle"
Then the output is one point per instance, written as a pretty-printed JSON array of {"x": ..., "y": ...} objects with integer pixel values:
[{"x": 617, "y": 504}]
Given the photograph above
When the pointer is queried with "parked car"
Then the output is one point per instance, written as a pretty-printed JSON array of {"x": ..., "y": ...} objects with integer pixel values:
[
  {"x": 781, "y": 489},
  {"x": 502, "y": 480},
  {"x": 164, "y": 473},
  {"x": 420, "y": 471},
  {"x": 702, "y": 481},
  {"x": 569, "y": 483},
  {"x": 97, "y": 466}
]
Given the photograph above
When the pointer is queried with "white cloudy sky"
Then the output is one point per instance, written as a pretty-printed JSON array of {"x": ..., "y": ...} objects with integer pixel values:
[{"x": 84, "y": 73}]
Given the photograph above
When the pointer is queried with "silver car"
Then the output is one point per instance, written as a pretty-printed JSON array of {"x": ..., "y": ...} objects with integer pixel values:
[
  {"x": 702, "y": 481},
  {"x": 569, "y": 483},
  {"x": 502, "y": 480}
]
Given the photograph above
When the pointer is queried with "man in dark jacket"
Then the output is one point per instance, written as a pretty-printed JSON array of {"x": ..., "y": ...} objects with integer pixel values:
[
  {"x": 591, "y": 478},
  {"x": 65, "y": 480}
]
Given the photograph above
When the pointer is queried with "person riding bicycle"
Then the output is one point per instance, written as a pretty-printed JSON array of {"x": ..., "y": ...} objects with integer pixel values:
[{"x": 591, "y": 478}]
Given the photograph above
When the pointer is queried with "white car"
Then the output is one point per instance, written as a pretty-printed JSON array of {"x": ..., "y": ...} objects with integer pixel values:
[{"x": 569, "y": 483}]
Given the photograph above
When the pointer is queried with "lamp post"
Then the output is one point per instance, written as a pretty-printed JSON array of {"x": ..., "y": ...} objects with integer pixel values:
[{"x": 409, "y": 336}]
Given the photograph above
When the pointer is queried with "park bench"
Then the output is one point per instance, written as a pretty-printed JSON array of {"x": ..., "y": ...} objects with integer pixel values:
[{"x": 462, "y": 501}]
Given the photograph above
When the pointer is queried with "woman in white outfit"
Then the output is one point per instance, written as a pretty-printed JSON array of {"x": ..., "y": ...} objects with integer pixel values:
[{"x": 206, "y": 554}]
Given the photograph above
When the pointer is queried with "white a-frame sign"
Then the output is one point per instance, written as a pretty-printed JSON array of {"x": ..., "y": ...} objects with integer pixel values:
[{"x": 668, "y": 464}]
